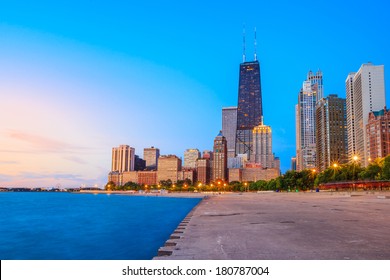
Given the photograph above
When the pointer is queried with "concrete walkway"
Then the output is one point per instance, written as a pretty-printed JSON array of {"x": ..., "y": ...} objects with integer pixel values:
[{"x": 284, "y": 226}]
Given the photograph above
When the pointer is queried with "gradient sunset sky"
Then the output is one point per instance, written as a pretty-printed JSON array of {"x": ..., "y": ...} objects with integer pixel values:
[{"x": 80, "y": 77}]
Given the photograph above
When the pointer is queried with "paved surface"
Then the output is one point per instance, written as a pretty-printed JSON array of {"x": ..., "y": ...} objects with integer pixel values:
[{"x": 285, "y": 226}]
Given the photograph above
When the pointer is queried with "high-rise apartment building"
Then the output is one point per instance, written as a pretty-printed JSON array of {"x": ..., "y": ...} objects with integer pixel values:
[
  {"x": 229, "y": 128},
  {"x": 190, "y": 157},
  {"x": 305, "y": 121},
  {"x": 151, "y": 156},
  {"x": 262, "y": 146},
  {"x": 168, "y": 168},
  {"x": 378, "y": 134},
  {"x": 123, "y": 158},
  {"x": 249, "y": 109},
  {"x": 365, "y": 91},
  {"x": 220, "y": 171},
  {"x": 331, "y": 132}
]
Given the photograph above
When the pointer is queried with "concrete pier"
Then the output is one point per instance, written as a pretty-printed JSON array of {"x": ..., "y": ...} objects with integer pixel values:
[{"x": 285, "y": 226}]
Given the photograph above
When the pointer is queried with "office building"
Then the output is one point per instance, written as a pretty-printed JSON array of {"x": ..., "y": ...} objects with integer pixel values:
[
  {"x": 151, "y": 156},
  {"x": 203, "y": 170},
  {"x": 190, "y": 157},
  {"x": 331, "y": 132},
  {"x": 365, "y": 91},
  {"x": 378, "y": 134},
  {"x": 262, "y": 146},
  {"x": 305, "y": 121},
  {"x": 168, "y": 168},
  {"x": 249, "y": 109},
  {"x": 219, "y": 170},
  {"x": 187, "y": 174},
  {"x": 316, "y": 82},
  {"x": 229, "y": 128}
]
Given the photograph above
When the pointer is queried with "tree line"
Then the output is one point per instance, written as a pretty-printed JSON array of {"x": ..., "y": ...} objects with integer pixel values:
[{"x": 378, "y": 169}]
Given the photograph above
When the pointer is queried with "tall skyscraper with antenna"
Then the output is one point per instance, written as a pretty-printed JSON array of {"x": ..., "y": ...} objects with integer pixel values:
[{"x": 249, "y": 109}]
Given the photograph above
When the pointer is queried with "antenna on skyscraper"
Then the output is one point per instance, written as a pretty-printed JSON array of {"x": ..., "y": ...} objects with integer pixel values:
[
  {"x": 243, "y": 44},
  {"x": 255, "y": 46}
]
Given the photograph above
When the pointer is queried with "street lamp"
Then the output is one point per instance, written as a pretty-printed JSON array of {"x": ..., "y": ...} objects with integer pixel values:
[
  {"x": 335, "y": 165},
  {"x": 245, "y": 184},
  {"x": 355, "y": 158},
  {"x": 200, "y": 186}
]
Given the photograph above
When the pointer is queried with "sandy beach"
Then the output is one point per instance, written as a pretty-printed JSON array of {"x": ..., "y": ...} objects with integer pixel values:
[{"x": 285, "y": 226}]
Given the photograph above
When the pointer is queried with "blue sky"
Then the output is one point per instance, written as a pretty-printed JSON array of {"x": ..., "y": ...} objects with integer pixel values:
[{"x": 80, "y": 77}]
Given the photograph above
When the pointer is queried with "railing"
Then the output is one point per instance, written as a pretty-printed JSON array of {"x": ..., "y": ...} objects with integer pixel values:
[{"x": 356, "y": 185}]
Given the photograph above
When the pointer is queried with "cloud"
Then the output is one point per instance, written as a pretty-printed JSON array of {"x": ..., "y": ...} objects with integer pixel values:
[
  {"x": 40, "y": 141},
  {"x": 75, "y": 159},
  {"x": 5, "y": 178},
  {"x": 57, "y": 176},
  {"x": 7, "y": 162}
]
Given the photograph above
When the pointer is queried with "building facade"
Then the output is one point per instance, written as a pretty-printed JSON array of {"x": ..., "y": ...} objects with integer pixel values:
[
  {"x": 139, "y": 163},
  {"x": 262, "y": 146},
  {"x": 229, "y": 129},
  {"x": 378, "y": 134},
  {"x": 238, "y": 162},
  {"x": 365, "y": 91},
  {"x": 151, "y": 156},
  {"x": 123, "y": 158},
  {"x": 294, "y": 163},
  {"x": 203, "y": 170},
  {"x": 252, "y": 173},
  {"x": 331, "y": 135},
  {"x": 187, "y": 173},
  {"x": 305, "y": 121},
  {"x": 168, "y": 168},
  {"x": 190, "y": 157},
  {"x": 147, "y": 178},
  {"x": 219, "y": 162},
  {"x": 249, "y": 109}
]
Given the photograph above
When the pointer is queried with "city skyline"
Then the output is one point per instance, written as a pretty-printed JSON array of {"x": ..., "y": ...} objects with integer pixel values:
[{"x": 77, "y": 80}]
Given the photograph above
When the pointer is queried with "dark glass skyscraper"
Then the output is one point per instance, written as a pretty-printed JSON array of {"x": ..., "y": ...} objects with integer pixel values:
[{"x": 249, "y": 109}]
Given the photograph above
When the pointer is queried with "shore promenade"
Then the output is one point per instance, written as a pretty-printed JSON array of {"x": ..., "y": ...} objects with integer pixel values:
[{"x": 285, "y": 226}]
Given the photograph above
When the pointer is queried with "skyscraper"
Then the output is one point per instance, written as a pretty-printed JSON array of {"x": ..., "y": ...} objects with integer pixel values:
[
  {"x": 262, "y": 146},
  {"x": 151, "y": 156},
  {"x": 229, "y": 128},
  {"x": 249, "y": 109},
  {"x": 365, "y": 93},
  {"x": 122, "y": 159},
  {"x": 305, "y": 121},
  {"x": 315, "y": 80},
  {"x": 331, "y": 132},
  {"x": 219, "y": 171}
]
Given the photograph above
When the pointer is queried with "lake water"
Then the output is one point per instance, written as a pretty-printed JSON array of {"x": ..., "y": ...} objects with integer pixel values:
[{"x": 66, "y": 226}]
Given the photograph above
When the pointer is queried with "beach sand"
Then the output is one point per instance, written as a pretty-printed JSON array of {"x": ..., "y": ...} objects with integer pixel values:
[{"x": 284, "y": 226}]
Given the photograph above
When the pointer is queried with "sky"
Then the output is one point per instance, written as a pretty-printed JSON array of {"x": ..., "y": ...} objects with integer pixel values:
[{"x": 80, "y": 77}]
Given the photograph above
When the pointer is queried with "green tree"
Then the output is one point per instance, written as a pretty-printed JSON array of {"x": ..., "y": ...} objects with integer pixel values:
[
  {"x": 386, "y": 168},
  {"x": 110, "y": 186}
]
